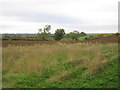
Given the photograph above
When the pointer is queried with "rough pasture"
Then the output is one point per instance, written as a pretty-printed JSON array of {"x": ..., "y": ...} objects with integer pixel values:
[{"x": 60, "y": 66}]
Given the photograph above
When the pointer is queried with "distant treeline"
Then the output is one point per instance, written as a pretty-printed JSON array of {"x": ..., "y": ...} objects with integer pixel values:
[{"x": 45, "y": 35}]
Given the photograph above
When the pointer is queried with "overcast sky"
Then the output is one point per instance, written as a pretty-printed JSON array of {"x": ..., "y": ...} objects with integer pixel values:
[{"x": 90, "y": 16}]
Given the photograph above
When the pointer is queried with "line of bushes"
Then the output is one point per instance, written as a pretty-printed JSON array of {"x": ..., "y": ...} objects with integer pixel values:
[{"x": 45, "y": 35}]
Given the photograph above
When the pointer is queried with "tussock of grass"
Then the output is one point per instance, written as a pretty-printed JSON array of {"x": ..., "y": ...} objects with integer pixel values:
[
  {"x": 62, "y": 76},
  {"x": 58, "y": 63}
]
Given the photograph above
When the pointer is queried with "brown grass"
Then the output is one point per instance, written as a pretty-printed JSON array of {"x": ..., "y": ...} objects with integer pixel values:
[
  {"x": 30, "y": 43},
  {"x": 34, "y": 59},
  {"x": 61, "y": 76}
]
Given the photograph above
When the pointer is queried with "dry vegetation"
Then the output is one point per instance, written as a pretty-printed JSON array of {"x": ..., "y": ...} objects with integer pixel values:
[
  {"x": 56, "y": 63},
  {"x": 28, "y": 43}
]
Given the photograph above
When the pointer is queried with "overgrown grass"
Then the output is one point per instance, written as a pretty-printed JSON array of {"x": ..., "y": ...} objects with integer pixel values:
[{"x": 61, "y": 66}]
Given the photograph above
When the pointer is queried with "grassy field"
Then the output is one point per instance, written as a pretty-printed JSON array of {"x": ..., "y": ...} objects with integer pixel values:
[{"x": 61, "y": 66}]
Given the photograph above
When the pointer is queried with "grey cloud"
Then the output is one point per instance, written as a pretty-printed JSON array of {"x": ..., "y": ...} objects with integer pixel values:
[
  {"x": 103, "y": 27},
  {"x": 41, "y": 17},
  {"x": 13, "y": 9},
  {"x": 50, "y": 18},
  {"x": 95, "y": 28},
  {"x": 8, "y": 26}
]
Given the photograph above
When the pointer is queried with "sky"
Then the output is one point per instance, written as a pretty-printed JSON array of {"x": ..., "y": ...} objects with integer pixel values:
[{"x": 89, "y": 16}]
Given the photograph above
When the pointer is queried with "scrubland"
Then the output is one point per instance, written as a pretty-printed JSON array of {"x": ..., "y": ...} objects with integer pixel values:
[{"x": 60, "y": 65}]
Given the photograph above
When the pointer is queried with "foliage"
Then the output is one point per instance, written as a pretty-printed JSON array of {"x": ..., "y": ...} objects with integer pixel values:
[
  {"x": 59, "y": 34},
  {"x": 46, "y": 29},
  {"x": 73, "y": 35},
  {"x": 44, "y": 34},
  {"x": 83, "y": 34},
  {"x": 117, "y": 34}
]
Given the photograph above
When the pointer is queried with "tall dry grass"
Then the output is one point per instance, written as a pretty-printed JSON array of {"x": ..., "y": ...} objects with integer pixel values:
[{"x": 35, "y": 59}]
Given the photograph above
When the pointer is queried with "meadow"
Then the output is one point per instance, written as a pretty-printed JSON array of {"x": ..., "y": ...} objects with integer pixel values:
[{"x": 60, "y": 65}]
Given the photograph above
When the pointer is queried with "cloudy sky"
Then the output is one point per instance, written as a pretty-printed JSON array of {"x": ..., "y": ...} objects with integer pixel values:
[{"x": 90, "y": 16}]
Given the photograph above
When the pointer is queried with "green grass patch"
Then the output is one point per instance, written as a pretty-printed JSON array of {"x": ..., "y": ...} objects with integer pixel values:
[{"x": 83, "y": 37}]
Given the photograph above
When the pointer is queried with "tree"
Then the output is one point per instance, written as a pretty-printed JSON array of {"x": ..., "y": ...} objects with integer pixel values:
[
  {"x": 40, "y": 30},
  {"x": 117, "y": 34},
  {"x": 73, "y": 35},
  {"x": 44, "y": 36},
  {"x": 59, "y": 34},
  {"x": 47, "y": 28},
  {"x": 44, "y": 33},
  {"x": 77, "y": 32},
  {"x": 83, "y": 34}
]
